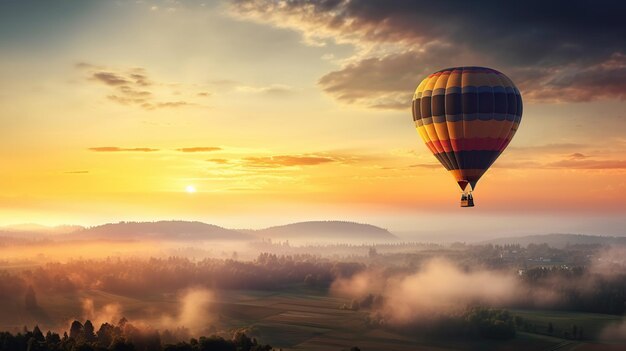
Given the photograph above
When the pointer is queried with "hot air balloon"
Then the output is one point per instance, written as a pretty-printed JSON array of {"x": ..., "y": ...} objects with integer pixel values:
[{"x": 467, "y": 116}]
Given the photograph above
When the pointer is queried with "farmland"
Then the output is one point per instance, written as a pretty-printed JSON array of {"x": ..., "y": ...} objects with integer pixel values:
[{"x": 301, "y": 318}]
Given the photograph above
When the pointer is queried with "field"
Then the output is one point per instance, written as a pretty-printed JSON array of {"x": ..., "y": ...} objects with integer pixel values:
[{"x": 304, "y": 319}]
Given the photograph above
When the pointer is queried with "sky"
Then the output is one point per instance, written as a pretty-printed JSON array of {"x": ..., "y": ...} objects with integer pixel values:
[{"x": 280, "y": 111}]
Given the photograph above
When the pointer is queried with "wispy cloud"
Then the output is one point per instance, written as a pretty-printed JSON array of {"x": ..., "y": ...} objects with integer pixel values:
[
  {"x": 199, "y": 149},
  {"x": 121, "y": 149},
  {"x": 76, "y": 172},
  {"x": 221, "y": 161},
  {"x": 134, "y": 87},
  {"x": 587, "y": 164},
  {"x": 110, "y": 78},
  {"x": 425, "y": 165},
  {"x": 287, "y": 161},
  {"x": 272, "y": 89},
  {"x": 578, "y": 156}
]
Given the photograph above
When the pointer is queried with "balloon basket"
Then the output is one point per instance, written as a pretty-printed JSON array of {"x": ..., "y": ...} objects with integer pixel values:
[{"x": 467, "y": 200}]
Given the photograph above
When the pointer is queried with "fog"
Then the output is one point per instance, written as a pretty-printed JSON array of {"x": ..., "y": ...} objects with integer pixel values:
[
  {"x": 194, "y": 312},
  {"x": 108, "y": 313},
  {"x": 438, "y": 288},
  {"x": 186, "y": 287}
]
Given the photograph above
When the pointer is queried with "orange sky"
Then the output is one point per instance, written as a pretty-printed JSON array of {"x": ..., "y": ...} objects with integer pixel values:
[{"x": 110, "y": 110}]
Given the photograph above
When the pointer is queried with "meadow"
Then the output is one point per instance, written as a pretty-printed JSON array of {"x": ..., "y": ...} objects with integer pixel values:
[{"x": 303, "y": 318}]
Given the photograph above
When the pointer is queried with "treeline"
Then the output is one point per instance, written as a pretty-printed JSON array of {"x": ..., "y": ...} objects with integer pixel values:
[
  {"x": 580, "y": 289},
  {"x": 145, "y": 276},
  {"x": 577, "y": 288},
  {"x": 121, "y": 337},
  {"x": 474, "y": 323}
]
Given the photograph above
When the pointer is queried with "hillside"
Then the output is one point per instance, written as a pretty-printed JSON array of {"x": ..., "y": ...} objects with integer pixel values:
[
  {"x": 559, "y": 240},
  {"x": 161, "y": 230},
  {"x": 328, "y": 231}
]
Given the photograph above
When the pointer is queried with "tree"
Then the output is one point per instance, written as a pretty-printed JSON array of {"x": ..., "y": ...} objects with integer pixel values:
[
  {"x": 76, "y": 329},
  {"x": 38, "y": 335},
  {"x": 52, "y": 338},
  {"x": 88, "y": 331},
  {"x": 105, "y": 335}
]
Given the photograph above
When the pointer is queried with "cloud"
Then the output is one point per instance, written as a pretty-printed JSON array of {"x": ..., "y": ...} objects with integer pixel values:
[
  {"x": 578, "y": 156},
  {"x": 547, "y": 148},
  {"x": 273, "y": 89},
  {"x": 374, "y": 82},
  {"x": 76, "y": 172},
  {"x": 121, "y": 149},
  {"x": 110, "y": 78},
  {"x": 587, "y": 164},
  {"x": 133, "y": 87},
  {"x": 199, "y": 149},
  {"x": 426, "y": 165},
  {"x": 166, "y": 104},
  {"x": 221, "y": 161},
  {"x": 570, "y": 163},
  {"x": 287, "y": 161},
  {"x": 554, "y": 51}
]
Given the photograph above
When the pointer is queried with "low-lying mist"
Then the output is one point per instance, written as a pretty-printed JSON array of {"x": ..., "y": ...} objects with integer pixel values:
[
  {"x": 177, "y": 287},
  {"x": 439, "y": 287},
  {"x": 192, "y": 314}
]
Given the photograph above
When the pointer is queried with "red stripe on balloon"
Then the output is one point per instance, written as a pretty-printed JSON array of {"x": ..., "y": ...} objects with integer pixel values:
[{"x": 468, "y": 144}]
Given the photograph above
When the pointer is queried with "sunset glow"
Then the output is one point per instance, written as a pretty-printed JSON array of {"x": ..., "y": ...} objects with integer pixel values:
[{"x": 102, "y": 122}]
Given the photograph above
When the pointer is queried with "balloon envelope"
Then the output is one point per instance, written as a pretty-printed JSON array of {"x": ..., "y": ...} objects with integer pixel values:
[{"x": 467, "y": 116}]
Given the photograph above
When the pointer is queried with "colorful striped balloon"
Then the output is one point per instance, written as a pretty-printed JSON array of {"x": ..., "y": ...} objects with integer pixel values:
[{"x": 467, "y": 116}]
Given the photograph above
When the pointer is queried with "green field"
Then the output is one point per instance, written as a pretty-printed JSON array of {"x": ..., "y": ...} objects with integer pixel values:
[{"x": 304, "y": 319}]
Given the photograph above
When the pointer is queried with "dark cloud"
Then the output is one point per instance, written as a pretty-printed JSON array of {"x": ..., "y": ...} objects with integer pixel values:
[
  {"x": 199, "y": 149},
  {"x": 287, "y": 161},
  {"x": 121, "y": 149},
  {"x": 110, "y": 78},
  {"x": 554, "y": 50},
  {"x": 383, "y": 82},
  {"x": 374, "y": 82}
]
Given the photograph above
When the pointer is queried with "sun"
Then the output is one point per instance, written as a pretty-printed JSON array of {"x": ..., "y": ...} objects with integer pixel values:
[{"x": 190, "y": 189}]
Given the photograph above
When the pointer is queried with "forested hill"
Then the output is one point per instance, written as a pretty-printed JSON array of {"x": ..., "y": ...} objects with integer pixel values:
[
  {"x": 161, "y": 230},
  {"x": 336, "y": 231}
]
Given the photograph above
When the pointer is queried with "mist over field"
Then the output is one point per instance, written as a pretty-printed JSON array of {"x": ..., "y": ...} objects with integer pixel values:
[{"x": 179, "y": 280}]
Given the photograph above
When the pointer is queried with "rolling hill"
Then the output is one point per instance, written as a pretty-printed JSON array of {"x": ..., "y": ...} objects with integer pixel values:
[
  {"x": 327, "y": 231},
  {"x": 161, "y": 230}
]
